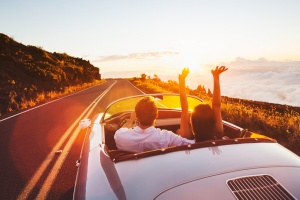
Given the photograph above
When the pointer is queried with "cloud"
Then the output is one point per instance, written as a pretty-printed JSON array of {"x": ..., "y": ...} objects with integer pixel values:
[
  {"x": 260, "y": 80},
  {"x": 261, "y": 62},
  {"x": 263, "y": 80},
  {"x": 137, "y": 56}
]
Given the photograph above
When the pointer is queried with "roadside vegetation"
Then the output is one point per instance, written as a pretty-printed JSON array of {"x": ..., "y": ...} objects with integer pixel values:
[
  {"x": 43, "y": 96},
  {"x": 30, "y": 75},
  {"x": 280, "y": 122}
]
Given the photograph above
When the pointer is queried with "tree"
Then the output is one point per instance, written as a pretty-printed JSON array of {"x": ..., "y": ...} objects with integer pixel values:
[
  {"x": 209, "y": 93},
  {"x": 201, "y": 90},
  {"x": 155, "y": 77},
  {"x": 143, "y": 77}
]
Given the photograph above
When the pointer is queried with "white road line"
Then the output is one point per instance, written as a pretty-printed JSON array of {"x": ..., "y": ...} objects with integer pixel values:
[
  {"x": 137, "y": 88},
  {"x": 51, "y": 177}
]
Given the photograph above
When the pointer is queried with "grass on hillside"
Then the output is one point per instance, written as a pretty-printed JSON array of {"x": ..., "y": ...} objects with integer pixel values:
[
  {"x": 276, "y": 121},
  {"x": 43, "y": 96}
]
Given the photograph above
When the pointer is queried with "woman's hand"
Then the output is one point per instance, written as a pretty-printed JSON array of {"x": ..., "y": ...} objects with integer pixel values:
[
  {"x": 218, "y": 70},
  {"x": 184, "y": 74}
]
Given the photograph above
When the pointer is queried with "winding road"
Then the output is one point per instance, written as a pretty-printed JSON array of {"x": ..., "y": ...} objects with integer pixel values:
[{"x": 39, "y": 146}]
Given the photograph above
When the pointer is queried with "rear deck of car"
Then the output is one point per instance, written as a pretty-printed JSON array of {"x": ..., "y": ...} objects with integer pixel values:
[{"x": 195, "y": 173}]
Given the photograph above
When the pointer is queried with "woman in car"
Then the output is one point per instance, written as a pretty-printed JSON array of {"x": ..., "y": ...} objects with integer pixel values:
[{"x": 205, "y": 122}]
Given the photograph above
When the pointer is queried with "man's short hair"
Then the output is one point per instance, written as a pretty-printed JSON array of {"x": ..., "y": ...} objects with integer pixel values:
[{"x": 146, "y": 111}]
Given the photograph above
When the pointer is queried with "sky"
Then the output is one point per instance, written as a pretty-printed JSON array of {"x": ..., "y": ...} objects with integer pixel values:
[{"x": 258, "y": 40}]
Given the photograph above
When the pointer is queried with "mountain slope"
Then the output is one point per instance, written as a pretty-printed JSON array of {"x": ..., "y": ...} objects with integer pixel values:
[{"x": 26, "y": 71}]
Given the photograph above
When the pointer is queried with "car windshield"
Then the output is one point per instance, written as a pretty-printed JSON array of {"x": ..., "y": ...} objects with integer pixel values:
[{"x": 163, "y": 101}]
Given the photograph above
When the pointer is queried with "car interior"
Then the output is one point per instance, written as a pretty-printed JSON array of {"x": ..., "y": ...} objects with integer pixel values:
[
  {"x": 170, "y": 120},
  {"x": 167, "y": 119}
]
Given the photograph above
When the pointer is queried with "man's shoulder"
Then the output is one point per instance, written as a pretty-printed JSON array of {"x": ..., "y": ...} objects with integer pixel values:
[
  {"x": 123, "y": 131},
  {"x": 123, "y": 134},
  {"x": 164, "y": 130}
]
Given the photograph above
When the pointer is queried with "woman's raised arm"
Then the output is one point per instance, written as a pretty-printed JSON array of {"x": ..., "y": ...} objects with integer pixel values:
[
  {"x": 216, "y": 99},
  {"x": 185, "y": 130}
]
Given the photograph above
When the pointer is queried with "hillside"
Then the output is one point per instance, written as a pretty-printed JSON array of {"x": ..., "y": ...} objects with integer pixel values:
[{"x": 27, "y": 71}]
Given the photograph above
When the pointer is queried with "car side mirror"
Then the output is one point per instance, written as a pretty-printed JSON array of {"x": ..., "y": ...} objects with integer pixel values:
[{"x": 85, "y": 123}]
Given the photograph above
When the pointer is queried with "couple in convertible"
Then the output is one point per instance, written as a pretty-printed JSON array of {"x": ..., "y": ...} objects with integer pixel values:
[{"x": 204, "y": 123}]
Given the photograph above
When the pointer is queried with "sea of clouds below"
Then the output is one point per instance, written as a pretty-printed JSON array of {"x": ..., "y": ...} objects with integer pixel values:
[
  {"x": 262, "y": 80},
  {"x": 259, "y": 80}
]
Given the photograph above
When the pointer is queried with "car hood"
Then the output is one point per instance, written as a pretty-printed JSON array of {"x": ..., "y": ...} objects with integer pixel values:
[{"x": 163, "y": 175}]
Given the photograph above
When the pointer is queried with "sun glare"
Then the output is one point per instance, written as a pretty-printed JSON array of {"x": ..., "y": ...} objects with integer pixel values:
[{"x": 191, "y": 61}]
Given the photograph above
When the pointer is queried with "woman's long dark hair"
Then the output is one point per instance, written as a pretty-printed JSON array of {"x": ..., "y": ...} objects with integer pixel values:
[{"x": 203, "y": 123}]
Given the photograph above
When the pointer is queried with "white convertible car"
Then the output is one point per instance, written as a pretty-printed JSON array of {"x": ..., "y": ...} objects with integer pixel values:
[{"x": 246, "y": 166}]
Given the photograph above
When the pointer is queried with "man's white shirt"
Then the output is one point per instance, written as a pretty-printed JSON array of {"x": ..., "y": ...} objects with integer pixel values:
[{"x": 139, "y": 140}]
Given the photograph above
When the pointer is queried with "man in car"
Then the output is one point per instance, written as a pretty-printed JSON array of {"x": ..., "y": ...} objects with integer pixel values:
[{"x": 145, "y": 136}]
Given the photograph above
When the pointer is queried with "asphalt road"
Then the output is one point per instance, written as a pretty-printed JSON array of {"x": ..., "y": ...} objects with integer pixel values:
[{"x": 30, "y": 165}]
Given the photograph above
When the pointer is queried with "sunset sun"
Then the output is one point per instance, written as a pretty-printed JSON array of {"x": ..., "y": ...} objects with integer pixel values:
[{"x": 191, "y": 60}]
